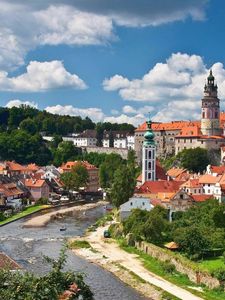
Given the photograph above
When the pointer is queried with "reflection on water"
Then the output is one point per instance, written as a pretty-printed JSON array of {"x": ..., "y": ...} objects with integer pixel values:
[{"x": 28, "y": 245}]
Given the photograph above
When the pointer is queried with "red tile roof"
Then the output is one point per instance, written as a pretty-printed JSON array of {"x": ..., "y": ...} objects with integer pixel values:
[
  {"x": 10, "y": 189},
  {"x": 34, "y": 183},
  {"x": 201, "y": 198},
  {"x": 174, "y": 125},
  {"x": 162, "y": 186},
  {"x": 70, "y": 164},
  {"x": 192, "y": 183},
  {"x": 207, "y": 179},
  {"x": 8, "y": 263},
  {"x": 218, "y": 169},
  {"x": 174, "y": 172}
]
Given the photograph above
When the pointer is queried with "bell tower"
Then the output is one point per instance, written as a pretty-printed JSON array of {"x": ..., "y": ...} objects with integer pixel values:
[
  {"x": 210, "y": 120},
  {"x": 149, "y": 155}
]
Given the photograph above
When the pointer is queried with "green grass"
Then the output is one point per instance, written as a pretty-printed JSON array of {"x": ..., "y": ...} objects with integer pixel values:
[
  {"x": 168, "y": 296},
  {"x": 79, "y": 244},
  {"x": 156, "y": 267},
  {"x": 212, "y": 264},
  {"x": 23, "y": 213}
]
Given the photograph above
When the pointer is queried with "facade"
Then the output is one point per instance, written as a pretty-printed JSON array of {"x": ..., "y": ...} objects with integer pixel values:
[
  {"x": 134, "y": 203},
  {"x": 118, "y": 139},
  {"x": 149, "y": 155},
  {"x": 38, "y": 188},
  {"x": 85, "y": 139},
  {"x": 210, "y": 122}
]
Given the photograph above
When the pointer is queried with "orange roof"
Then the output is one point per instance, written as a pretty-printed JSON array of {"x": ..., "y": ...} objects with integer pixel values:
[
  {"x": 189, "y": 131},
  {"x": 32, "y": 167},
  {"x": 207, "y": 179},
  {"x": 34, "y": 183},
  {"x": 201, "y": 198},
  {"x": 174, "y": 125},
  {"x": 10, "y": 189},
  {"x": 192, "y": 183},
  {"x": 172, "y": 245},
  {"x": 70, "y": 164},
  {"x": 218, "y": 169},
  {"x": 13, "y": 166},
  {"x": 174, "y": 172},
  {"x": 162, "y": 186}
]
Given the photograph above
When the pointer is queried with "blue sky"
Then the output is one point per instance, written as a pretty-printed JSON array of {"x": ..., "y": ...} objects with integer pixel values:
[{"x": 111, "y": 60}]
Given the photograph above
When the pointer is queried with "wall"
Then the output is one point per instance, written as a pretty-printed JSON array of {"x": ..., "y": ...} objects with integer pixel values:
[
  {"x": 122, "y": 152},
  {"x": 181, "y": 265}
]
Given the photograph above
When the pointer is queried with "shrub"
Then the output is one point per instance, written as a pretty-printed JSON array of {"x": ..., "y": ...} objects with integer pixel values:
[
  {"x": 42, "y": 201},
  {"x": 168, "y": 267},
  {"x": 2, "y": 216}
]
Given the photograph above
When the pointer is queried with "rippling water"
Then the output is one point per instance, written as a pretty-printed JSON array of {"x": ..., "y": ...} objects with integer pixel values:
[{"x": 28, "y": 245}]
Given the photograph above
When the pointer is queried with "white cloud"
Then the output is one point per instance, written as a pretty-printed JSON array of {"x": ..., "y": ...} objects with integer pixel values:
[
  {"x": 174, "y": 88},
  {"x": 41, "y": 76},
  {"x": 135, "y": 120},
  {"x": 96, "y": 114},
  {"x": 127, "y": 109},
  {"x": 18, "y": 103},
  {"x": 24, "y": 25}
]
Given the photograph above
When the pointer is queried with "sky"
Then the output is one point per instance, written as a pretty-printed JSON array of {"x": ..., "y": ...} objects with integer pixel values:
[{"x": 111, "y": 60}]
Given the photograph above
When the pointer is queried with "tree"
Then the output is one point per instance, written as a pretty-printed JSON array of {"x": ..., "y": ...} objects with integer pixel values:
[
  {"x": 111, "y": 139},
  {"x": 28, "y": 125},
  {"x": 194, "y": 160},
  {"x": 77, "y": 178},
  {"x": 65, "y": 151},
  {"x": 17, "y": 285},
  {"x": 192, "y": 240},
  {"x": 123, "y": 185}
]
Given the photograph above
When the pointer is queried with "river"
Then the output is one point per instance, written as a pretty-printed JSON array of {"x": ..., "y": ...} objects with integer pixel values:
[{"x": 28, "y": 245}]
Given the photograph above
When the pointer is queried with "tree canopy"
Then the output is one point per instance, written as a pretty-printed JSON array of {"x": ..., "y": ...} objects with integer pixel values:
[{"x": 76, "y": 178}]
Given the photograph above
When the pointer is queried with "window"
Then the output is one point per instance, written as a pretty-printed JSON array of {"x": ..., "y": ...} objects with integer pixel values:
[
  {"x": 190, "y": 140},
  {"x": 184, "y": 141},
  {"x": 150, "y": 154},
  {"x": 131, "y": 203},
  {"x": 143, "y": 203},
  {"x": 209, "y": 185},
  {"x": 150, "y": 165},
  {"x": 149, "y": 176},
  {"x": 203, "y": 115},
  {"x": 208, "y": 191}
]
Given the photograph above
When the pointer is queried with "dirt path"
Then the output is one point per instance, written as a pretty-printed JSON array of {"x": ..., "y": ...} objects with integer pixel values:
[
  {"x": 43, "y": 220},
  {"x": 109, "y": 249}
]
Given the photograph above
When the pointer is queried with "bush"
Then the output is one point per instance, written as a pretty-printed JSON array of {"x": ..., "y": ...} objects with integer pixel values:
[
  {"x": 168, "y": 267},
  {"x": 116, "y": 230},
  {"x": 42, "y": 201},
  {"x": 220, "y": 274},
  {"x": 2, "y": 216}
]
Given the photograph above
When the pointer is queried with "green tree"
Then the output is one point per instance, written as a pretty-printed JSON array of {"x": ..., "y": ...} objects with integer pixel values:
[
  {"x": 66, "y": 151},
  {"x": 194, "y": 160},
  {"x": 28, "y": 125},
  {"x": 17, "y": 285},
  {"x": 77, "y": 178},
  {"x": 123, "y": 185}
]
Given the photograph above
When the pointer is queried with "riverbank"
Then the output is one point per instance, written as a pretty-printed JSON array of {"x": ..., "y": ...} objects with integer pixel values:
[
  {"x": 43, "y": 220},
  {"x": 107, "y": 254},
  {"x": 26, "y": 212}
]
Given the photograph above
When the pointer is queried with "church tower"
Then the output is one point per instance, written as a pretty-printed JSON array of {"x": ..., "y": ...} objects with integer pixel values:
[
  {"x": 149, "y": 155},
  {"x": 210, "y": 121}
]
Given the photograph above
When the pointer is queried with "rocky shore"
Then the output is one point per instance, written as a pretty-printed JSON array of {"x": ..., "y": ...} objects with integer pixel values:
[{"x": 43, "y": 220}]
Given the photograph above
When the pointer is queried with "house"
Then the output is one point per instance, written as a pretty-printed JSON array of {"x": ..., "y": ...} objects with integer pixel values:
[
  {"x": 38, "y": 188},
  {"x": 93, "y": 177},
  {"x": 87, "y": 138},
  {"x": 133, "y": 203},
  {"x": 152, "y": 189},
  {"x": 174, "y": 173},
  {"x": 121, "y": 139},
  {"x": 193, "y": 187}
]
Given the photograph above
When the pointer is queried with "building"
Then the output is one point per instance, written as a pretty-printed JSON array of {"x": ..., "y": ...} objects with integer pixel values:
[
  {"x": 38, "y": 188},
  {"x": 93, "y": 180},
  {"x": 134, "y": 203},
  {"x": 149, "y": 155},
  {"x": 175, "y": 136},
  {"x": 87, "y": 138},
  {"x": 118, "y": 139}
]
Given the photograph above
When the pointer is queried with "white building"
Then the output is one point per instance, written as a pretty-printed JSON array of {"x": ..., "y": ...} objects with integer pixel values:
[
  {"x": 149, "y": 155},
  {"x": 120, "y": 139},
  {"x": 85, "y": 139},
  {"x": 133, "y": 203},
  {"x": 130, "y": 141}
]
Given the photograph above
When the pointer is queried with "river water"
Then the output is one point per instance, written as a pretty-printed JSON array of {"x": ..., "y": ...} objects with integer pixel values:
[{"x": 28, "y": 245}]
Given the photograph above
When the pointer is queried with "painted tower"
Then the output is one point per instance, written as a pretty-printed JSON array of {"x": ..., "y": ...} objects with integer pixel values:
[
  {"x": 210, "y": 121},
  {"x": 149, "y": 155}
]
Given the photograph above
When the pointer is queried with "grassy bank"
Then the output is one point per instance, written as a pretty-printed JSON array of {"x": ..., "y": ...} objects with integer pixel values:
[
  {"x": 24, "y": 213},
  {"x": 166, "y": 271}
]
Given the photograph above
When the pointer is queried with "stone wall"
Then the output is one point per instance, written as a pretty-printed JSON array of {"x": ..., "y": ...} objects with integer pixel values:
[
  {"x": 122, "y": 152},
  {"x": 181, "y": 264}
]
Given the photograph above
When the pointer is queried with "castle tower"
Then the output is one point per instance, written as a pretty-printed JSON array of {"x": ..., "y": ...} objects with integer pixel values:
[
  {"x": 149, "y": 155},
  {"x": 210, "y": 120}
]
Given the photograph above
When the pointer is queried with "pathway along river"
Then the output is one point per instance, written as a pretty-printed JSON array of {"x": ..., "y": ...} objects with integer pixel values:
[{"x": 27, "y": 246}]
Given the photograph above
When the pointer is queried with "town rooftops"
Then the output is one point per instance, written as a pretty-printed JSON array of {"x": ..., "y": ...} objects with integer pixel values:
[
  {"x": 209, "y": 179},
  {"x": 201, "y": 198},
  {"x": 217, "y": 169},
  {"x": 174, "y": 125},
  {"x": 34, "y": 183},
  {"x": 175, "y": 172},
  {"x": 163, "y": 186},
  {"x": 117, "y": 134},
  {"x": 8, "y": 263},
  {"x": 70, "y": 164},
  {"x": 192, "y": 183},
  {"x": 10, "y": 189}
]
